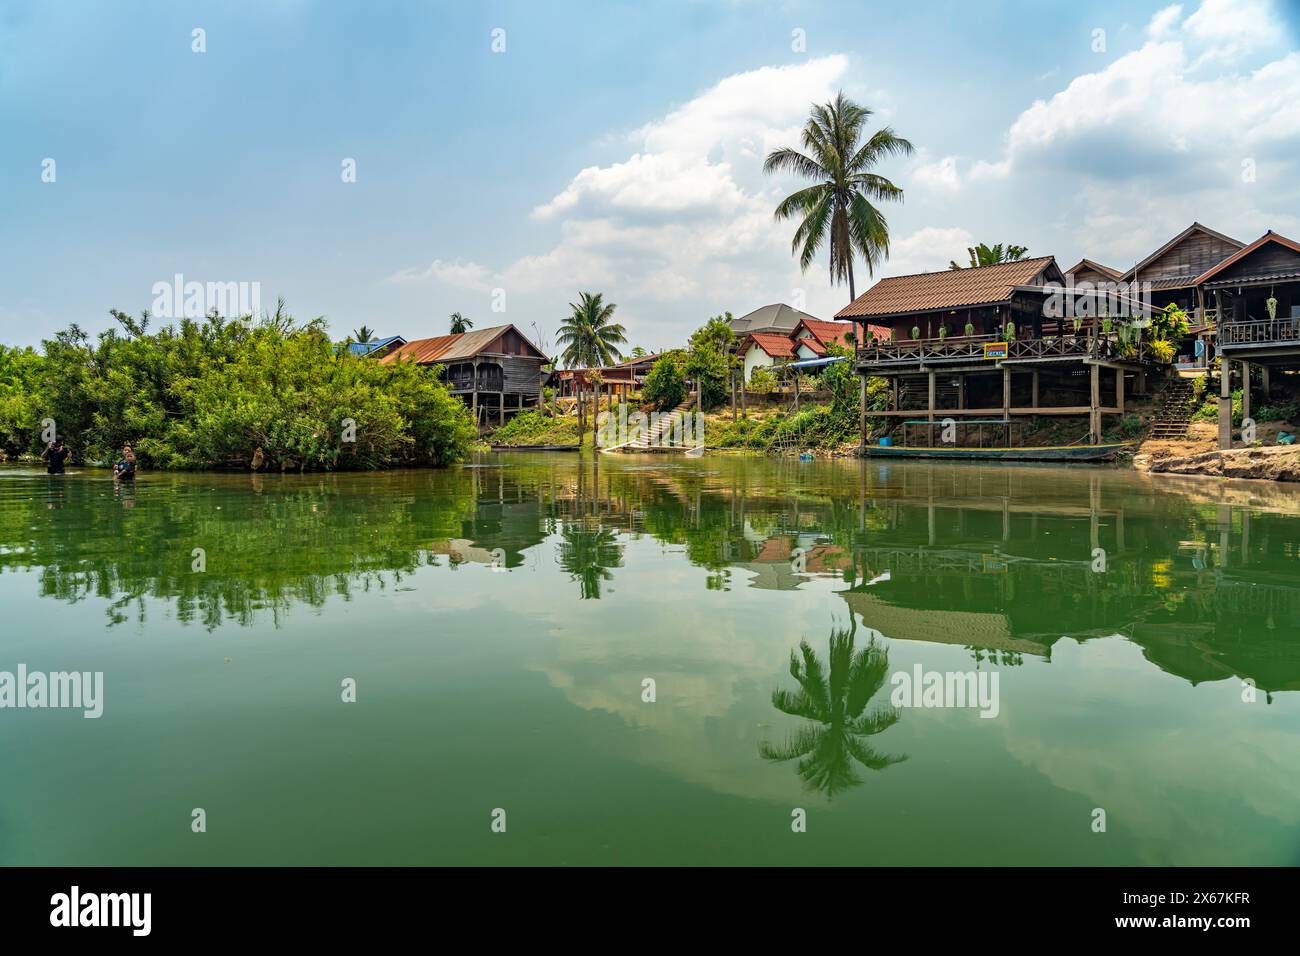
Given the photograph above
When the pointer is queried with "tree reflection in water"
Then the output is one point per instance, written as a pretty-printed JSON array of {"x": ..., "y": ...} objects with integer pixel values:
[{"x": 835, "y": 699}]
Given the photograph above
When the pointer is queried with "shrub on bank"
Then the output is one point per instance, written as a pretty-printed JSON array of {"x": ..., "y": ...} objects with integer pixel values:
[{"x": 209, "y": 393}]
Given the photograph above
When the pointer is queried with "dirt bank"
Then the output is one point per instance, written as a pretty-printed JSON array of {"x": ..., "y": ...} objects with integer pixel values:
[{"x": 1274, "y": 463}]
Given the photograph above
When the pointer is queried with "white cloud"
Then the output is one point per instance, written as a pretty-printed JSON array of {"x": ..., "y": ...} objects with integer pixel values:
[
  {"x": 1132, "y": 153},
  {"x": 459, "y": 275},
  {"x": 683, "y": 227},
  {"x": 939, "y": 176},
  {"x": 1164, "y": 21},
  {"x": 927, "y": 250},
  {"x": 1234, "y": 27}
]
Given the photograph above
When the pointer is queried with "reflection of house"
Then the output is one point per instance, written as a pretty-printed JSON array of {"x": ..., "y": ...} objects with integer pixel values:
[
  {"x": 988, "y": 631},
  {"x": 778, "y": 566},
  {"x": 498, "y": 371}
]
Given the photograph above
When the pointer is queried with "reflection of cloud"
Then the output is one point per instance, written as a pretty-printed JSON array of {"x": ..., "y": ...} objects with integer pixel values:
[{"x": 1158, "y": 780}]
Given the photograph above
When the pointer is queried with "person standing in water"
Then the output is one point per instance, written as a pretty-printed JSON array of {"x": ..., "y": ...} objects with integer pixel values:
[
  {"x": 124, "y": 470},
  {"x": 55, "y": 454}
]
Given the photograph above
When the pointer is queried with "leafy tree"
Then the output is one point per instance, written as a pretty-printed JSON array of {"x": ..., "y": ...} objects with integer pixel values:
[
  {"x": 665, "y": 386},
  {"x": 460, "y": 324},
  {"x": 210, "y": 393},
  {"x": 838, "y": 208},
  {"x": 708, "y": 361},
  {"x": 983, "y": 255}
]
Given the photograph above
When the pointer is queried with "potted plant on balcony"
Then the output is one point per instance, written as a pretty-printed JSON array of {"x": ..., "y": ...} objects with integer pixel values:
[
  {"x": 943, "y": 332},
  {"x": 970, "y": 329},
  {"x": 1011, "y": 331},
  {"x": 916, "y": 331}
]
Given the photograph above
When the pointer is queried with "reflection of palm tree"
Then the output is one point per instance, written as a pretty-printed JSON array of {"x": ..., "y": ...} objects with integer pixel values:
[
  {"x": 587, "y": 554},
  {"x": 836, "y": 701}
]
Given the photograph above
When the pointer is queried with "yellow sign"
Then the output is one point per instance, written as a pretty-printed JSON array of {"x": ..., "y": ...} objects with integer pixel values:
[{"x": 995, "y": 350}]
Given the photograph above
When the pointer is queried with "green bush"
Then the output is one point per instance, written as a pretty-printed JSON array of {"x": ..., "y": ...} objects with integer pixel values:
[
  {"x": 762, "y": 380},
  {"x": 665, "y": 386},
  {"x": 209, "y": 393}
]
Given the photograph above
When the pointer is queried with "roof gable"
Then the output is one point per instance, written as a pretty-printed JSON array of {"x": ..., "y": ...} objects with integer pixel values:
[
  {"x": 839, "y": 333},
  {"x": 1269, "y": 255},
  {"x": 499, "y": 339},
  {"x": 777, "y": 346},
  {"x": 1187, "y": 255},
  {"x": 950, "y": 289},
  {"x": 775, "y": 317},
  {"x": 1085, "y": 266}
]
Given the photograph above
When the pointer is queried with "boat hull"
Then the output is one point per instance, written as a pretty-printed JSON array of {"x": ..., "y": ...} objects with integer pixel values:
[{"x": 1042, "y": 453}]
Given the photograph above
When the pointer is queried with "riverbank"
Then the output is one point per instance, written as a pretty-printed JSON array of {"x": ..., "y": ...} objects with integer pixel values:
[{"x": 1275, "y": 463}]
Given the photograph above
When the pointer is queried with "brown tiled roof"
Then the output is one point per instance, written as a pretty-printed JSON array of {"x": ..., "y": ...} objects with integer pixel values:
[
  {"x": 950, "y": 289},
  {"x": 450, "y": 348},
  {"x": 827, "y": 332},
  {"x": 1268, "y": 237},
  {"x": 777, "y": 346}
]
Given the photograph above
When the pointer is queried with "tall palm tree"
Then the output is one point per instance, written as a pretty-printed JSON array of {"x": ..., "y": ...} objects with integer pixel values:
[
  {"x": 588, "y": 335},
  {"x": 590, "y": 339},
  {"x": 836, "y": 701},
  {"x": 363, "y": 334},
  {"x": 983, "y": 255},
  {"x": 460, "y": 324},
  {"x": 838, "y": 207}
]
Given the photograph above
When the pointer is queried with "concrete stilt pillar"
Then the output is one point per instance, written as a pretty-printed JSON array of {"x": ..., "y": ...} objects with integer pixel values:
[
  {"x": 1225, "y": 404},
  {"x": 1094, "y": 414},
  {"x": 1245, "y": 390}
]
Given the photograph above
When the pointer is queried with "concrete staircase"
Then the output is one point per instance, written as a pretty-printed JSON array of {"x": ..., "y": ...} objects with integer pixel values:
[
  {"x": 655, "y": 436},
  {"x": 1177, "y": 404}
]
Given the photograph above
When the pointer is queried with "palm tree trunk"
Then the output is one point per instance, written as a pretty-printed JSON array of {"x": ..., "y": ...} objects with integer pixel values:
[{"x": 852, "y": 295}]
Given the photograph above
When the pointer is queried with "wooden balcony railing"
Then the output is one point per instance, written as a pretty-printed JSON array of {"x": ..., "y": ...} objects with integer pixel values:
[
  {"x": 971, "y": 347},
  {"x": 1259, "y": 331}
]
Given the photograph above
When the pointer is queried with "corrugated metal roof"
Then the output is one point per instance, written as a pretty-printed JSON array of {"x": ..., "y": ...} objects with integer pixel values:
[
  {"x": 449, "y": 348},
  {"x": 950, "y": 289}
]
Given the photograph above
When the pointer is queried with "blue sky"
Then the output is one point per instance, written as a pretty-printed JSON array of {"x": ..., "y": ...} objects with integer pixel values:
[{"x": 611, "y": 147}]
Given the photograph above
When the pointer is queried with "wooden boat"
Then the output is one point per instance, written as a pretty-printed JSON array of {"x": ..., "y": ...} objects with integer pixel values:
[{"x": 993, "y": 453}]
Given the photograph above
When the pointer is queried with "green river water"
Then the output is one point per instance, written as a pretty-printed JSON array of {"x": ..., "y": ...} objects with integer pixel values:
[{"x": 501, "y": 621}]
